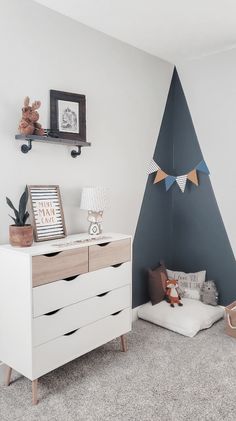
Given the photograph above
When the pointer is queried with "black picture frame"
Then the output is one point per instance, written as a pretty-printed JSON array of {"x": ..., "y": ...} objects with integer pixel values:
[{"x": 77, "y": 111}]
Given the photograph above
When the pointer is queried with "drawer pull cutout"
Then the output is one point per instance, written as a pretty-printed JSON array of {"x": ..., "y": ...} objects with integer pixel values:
[
  {"x": 117, "y": 312},
  {"x": 50, "y": 313},
  {"x": 103, "y": 294},
  {"x": 103, "y": 244},
  {"x": 52, "y": 254},
  {"x": 70, "y": 278},
  {"x": 117, "y": 265},
  {"x": 70, "y": 333}
]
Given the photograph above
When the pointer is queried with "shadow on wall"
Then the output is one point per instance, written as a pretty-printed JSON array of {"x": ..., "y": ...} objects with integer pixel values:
[{"x": 184, "y": 229}]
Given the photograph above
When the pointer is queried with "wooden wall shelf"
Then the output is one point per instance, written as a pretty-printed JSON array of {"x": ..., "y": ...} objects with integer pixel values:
[{"x": 53, "y": 140}]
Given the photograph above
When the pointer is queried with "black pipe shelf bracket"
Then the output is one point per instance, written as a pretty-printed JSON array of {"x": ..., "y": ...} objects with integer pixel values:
[
  {"x": 74, "y": 154},
  {"x": 25, "y": 148}
]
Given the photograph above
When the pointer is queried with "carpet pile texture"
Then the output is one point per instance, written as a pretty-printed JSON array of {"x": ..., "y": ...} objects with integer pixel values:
[{"x": 163, "y": 377}]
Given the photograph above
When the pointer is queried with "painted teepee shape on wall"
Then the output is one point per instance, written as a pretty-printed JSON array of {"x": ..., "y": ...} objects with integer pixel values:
[{"x": 185, "y": 230}]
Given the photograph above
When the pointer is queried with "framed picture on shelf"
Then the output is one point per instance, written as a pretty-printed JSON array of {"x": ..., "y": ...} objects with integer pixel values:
[
  {"x": 68, "y": 115},
  {"x": 46, "y": 212}
]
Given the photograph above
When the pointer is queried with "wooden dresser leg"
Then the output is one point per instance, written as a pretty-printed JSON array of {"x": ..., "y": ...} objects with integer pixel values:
[
  {"x": 123, "y": 341},
  {"x": 35, "y": 392},
  {"x": 8, "y": 371}
]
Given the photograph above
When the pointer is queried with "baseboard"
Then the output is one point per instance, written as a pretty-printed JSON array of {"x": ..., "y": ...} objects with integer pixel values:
[
  {"x": 1, "y": 372},
  {"x": 135, "y": 313}
]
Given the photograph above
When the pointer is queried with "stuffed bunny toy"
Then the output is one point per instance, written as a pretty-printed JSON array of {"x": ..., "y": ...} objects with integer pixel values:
[{"x": 29, "y": 121}]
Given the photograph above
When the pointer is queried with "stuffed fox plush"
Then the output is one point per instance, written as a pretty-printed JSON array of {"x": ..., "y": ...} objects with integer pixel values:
[{"x": 172, "y": 292}]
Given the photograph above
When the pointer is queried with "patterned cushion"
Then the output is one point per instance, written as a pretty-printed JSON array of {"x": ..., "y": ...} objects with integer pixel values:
[{"x": 189, "y": 283}]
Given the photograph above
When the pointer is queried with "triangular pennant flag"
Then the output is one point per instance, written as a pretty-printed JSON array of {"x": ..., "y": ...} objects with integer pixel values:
[
  {"x": 169, "y": 181},
  {"x": 181, "y": 181},
  {"x": 202, "y": 167},
  {"x": 161, "y": 175},
  {"x": 153, "y": 167},
  {"x": 192, "y": 176}
]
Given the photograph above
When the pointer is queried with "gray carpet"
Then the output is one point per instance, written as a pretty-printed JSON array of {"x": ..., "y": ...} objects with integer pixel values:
[{"x": 164, "y": 376}]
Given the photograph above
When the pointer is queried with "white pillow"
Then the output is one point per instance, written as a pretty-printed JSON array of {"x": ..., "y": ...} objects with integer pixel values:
[
  {"x": 186, "y": 320},
  {"x": 189, "y": 283},
  {"x": 194, "y": 294}
]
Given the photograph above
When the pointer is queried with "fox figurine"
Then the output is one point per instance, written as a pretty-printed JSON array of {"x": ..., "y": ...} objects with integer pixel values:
[
  {"x": 172, "y": 294},
  {"x": 95, "y": 219}
]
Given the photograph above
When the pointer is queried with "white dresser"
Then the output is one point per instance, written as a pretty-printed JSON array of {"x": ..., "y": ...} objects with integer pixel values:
[{"x": 61, "y": 299}]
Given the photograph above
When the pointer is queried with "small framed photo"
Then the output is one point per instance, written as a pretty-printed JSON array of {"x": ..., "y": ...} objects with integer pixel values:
[
  {"x": 68, "y": 115},
  {"x": 46, "y": 212}
]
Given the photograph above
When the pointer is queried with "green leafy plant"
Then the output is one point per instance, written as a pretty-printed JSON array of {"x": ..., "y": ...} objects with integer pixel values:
[{"x": 22, "y": 214}]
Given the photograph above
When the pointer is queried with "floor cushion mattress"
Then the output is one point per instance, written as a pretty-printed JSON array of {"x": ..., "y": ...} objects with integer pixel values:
[{"x": 186, "y": 320}]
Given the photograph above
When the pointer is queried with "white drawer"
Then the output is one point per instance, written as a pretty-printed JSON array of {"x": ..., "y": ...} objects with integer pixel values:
[
  {"x": 56, "y": 295},
  {"x": 53, "y": 325},
  {"x": 55, "y": 353}
]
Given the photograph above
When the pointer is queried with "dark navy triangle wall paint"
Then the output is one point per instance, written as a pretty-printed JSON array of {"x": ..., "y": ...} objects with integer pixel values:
[
  {"x": 184, "y": 229},
  {"x": 199, "y": 235},
  {"x": 152, "y": 240}
]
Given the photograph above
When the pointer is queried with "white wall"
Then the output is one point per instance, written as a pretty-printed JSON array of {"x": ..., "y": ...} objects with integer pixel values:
[
  {"x": 126, "y": 92},
  {"x": 210, "y": 88}
]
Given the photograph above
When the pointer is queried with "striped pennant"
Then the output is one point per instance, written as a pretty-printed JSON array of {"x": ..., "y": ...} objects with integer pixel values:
[
  {"x": 181, "y": 181},
  {"x": 153, "y": 167}
]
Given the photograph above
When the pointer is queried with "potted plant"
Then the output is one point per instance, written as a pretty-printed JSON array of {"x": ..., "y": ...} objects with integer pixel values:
[{"x": 20, "y": 234}]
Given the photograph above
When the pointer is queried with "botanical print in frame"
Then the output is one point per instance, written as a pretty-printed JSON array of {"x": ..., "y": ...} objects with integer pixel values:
[
  {"x": 68, "y": 115},
  {"x": 46, "y": 212}
]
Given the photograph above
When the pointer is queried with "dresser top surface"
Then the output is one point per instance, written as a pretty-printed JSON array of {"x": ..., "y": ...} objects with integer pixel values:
[{"x": 67, "y": 243}]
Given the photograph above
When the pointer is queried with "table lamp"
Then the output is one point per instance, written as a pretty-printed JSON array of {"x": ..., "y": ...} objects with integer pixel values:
[{"x": 94, "y": 200}]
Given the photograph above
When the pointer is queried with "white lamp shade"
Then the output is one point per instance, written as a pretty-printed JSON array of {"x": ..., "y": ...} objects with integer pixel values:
[{"x": 94, "y": 198}]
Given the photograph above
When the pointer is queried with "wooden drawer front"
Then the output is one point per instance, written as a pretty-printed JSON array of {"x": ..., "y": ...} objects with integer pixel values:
[
  {"x": 62, "y": 293},
  {"x": 48, "y": 356},
  {"x": 51, "y": 267},
  {"x": 107, "y": 254},
  {"x": 55, "y": 324}
]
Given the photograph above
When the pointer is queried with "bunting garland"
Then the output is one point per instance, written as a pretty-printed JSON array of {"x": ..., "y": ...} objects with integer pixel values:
[{"x": 181, "y": 180}]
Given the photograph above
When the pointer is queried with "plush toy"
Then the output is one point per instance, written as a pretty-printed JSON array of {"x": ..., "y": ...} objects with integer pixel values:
[
  {"x": 172, "y": 293},
  {"x": 29, "y": 121},
  {"x": 209, "y": 293}
]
